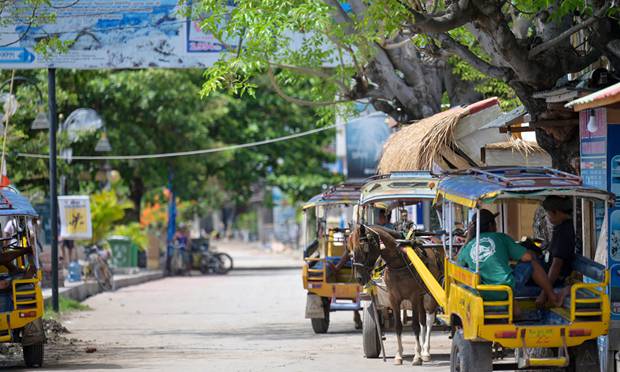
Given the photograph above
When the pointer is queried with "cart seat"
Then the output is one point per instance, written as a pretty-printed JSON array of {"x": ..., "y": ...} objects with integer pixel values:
[
  {"x": 589, "y": 268},
  {"x": 331, "y": 259}
]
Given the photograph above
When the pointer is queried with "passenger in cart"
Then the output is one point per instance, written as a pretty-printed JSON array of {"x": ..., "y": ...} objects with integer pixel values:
[{"x": 561, "y": 247}]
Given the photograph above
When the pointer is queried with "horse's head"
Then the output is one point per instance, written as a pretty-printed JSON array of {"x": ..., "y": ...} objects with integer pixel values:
[{"x": 364, "y": 245}]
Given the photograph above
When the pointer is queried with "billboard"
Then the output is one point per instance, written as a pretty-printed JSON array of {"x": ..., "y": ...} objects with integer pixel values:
[
  {"x": 75, "y": 221},
  {"x": 109, "y": 34},
  {"x": 365, "y": 137}
]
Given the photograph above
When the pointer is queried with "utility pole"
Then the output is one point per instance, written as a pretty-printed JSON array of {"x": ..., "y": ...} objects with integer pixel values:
[{"x": 51, "y": 102}]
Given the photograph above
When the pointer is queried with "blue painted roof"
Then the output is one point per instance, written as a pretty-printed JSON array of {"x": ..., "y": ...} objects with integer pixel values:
[
  {"x": 341, "y": 194},
  {"x": 485, "y": 184},
  {"x": 14, "y": 204}
]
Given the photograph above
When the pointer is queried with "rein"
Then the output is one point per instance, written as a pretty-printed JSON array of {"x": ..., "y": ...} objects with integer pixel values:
[{"x": 406, "y": 261}]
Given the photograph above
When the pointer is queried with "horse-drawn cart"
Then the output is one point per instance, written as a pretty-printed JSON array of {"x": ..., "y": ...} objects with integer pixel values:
[
  {"x": 327, "y": 273},
  {"x": 400, "y": 201},
  {"x": 569, "y": 331},
  {"x": 21, "y": 299}
]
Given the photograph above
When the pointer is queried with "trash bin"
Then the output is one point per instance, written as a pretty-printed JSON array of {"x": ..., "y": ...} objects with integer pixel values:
[{"x": 124, "y": 252}]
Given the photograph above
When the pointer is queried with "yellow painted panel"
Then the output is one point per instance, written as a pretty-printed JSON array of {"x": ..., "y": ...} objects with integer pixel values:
[{"x": 431, "y": 283}]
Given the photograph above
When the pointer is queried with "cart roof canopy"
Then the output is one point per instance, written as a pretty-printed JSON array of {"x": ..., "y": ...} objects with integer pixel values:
[
  {"x": 343, "y": 194},
  {"x": 409, "y": 185},
  {"x": 12, "y": 203},
  {"x": 475, "y": 186}
]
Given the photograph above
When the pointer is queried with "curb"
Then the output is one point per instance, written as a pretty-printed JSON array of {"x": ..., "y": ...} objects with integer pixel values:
[
  {"x": 266, "y": 268},
  {"x": 81, "y": 291}
]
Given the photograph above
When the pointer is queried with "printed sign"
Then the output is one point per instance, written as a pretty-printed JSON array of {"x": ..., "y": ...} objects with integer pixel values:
[
  {"x": 109, "y": 34},
  {"x": 365, "y": 137},
  {"x": 75, "y": 221}
]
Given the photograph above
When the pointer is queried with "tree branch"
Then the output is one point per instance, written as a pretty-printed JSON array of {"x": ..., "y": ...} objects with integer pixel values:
[
  {"x": 458, "y": 14},
  {"x": 566, "y": 34},
  {"x": 278, "y": 89},
  {"x": 466, "y": 54},
  {"x": 309, "y": 71}
]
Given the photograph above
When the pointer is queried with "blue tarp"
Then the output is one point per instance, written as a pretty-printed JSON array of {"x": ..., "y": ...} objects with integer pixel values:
[
  {"x": 14, "y": 204},
  {"x": 467, "y": 187},
  {"x": 486, "y": 184}
]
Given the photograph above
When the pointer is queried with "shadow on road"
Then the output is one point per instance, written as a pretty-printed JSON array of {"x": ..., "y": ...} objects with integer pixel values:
[
  {"x": 275, "y": 332},
  {"x": 66, "y": 366}
]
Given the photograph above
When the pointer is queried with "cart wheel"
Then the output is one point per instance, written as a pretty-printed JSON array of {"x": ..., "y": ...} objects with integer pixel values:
[
  {"x": 33, "y": 355},
  {"x": 584, "y": 357},
  {"x": 469, "y": 356},
  {"x": 370, "y": 336},
  {"x": 320, "y": 325}
]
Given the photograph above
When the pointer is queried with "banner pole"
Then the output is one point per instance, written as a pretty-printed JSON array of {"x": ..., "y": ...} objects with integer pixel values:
[{"x": 51, "y": 101}]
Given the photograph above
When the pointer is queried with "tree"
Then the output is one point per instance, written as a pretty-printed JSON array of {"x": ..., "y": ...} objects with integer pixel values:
[
  {"x": 159, "y": 111},
  {"x": 386, "y": 50}
]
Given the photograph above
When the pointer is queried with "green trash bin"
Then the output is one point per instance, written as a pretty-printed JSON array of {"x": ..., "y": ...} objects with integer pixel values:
[{"x": 124, "y": 252}]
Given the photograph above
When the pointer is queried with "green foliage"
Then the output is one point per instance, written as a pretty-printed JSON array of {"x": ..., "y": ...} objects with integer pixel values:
[
  {"x": 135, "y": 232},
  {"x": 65, "y": 305},
  {"x": 106, "y": 210},
  {"x": 247, "y": 221}
]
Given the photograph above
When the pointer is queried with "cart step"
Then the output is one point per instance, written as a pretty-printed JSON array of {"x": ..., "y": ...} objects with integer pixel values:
[
  {"x": 345, "y": 307},
  {"x": 6, "y": 337},
  {"x": 548, "y": 362}
]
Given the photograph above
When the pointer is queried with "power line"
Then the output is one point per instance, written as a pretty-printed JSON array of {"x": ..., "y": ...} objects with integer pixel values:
[{"x": 185, "y": 153}]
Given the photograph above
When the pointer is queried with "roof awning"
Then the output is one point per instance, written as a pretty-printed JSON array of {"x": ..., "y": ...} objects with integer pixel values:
[
  {"x": 603, "y": 97},
  {"x": 506, "y": 119}
]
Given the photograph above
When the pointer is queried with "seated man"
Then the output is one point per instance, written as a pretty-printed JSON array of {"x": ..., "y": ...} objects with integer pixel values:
[
  {"x": 384, "y": 219},
  {"x": 561, "y": 247},
  {"x": 496, "y": 251}
]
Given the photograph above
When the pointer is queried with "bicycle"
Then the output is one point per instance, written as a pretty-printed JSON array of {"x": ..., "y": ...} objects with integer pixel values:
[{"x": 96, "y": 265}]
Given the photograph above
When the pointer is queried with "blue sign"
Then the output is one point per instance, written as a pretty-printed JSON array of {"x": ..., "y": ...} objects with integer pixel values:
[{"x": 365, "y": 137}]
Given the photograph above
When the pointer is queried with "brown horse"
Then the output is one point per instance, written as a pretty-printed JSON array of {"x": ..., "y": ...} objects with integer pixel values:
[{"x": 402, "y": 280}]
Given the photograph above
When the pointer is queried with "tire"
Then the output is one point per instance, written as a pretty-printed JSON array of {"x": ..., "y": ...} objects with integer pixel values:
[
  {"x": 33, "y": 355},
  {"x": 469, "y": 356},
  {"x": 370, "y": 336},
  {"x": 204, "y": 265},
  {"x": 321, "y": 325},
  {"x": 103, "y": 277},
  {"x": 225, "y": 263},
  {"x": 584, "y": 357}
]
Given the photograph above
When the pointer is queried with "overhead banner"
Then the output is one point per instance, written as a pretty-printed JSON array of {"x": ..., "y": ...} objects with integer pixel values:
[
  {"x": 365, "y": 137},
  {"x": 75, "y": 221},
  {"x": 109, "y": 34}
]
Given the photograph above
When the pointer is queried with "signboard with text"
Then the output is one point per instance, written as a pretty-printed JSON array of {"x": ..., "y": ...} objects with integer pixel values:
[
  {"x": 109, "y": 34},
  {"x": 75, "y": 220}
]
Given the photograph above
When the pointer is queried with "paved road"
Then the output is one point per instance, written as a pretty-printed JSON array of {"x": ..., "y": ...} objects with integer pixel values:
[{"x": 245, "y": 321}]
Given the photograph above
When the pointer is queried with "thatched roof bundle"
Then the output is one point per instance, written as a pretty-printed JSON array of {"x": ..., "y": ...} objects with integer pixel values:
[
  {"x": 420, "y": 145},
  {"x": 455, "y": 139}
]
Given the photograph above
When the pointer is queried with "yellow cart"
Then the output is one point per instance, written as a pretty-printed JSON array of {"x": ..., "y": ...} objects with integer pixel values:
[
  {"x": 21, "y": 299},
  {"x": 329, "y": 282},
  {"x": 569, "y": 333}
]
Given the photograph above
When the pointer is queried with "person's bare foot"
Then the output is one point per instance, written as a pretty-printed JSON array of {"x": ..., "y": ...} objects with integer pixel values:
[{"x": 558, "y": 299}]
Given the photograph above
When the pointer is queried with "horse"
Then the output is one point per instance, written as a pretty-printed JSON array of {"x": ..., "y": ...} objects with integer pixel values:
[{"x": 403, "y": 282}]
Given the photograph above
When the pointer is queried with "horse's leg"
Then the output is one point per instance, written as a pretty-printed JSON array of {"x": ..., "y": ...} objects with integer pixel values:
[
  {"x": 430, "y": 307},
  {"x": 417, "y": 324},
  {"x": 398, "y": 326},
  {"x": 357, "y": 319}
]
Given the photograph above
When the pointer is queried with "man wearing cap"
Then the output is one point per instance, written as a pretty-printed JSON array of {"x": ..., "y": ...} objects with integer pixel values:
[
  {"x": 561, "y": 247},
  {"x": 493, "y": 258},
  {"x": 383, "y": 219}
]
